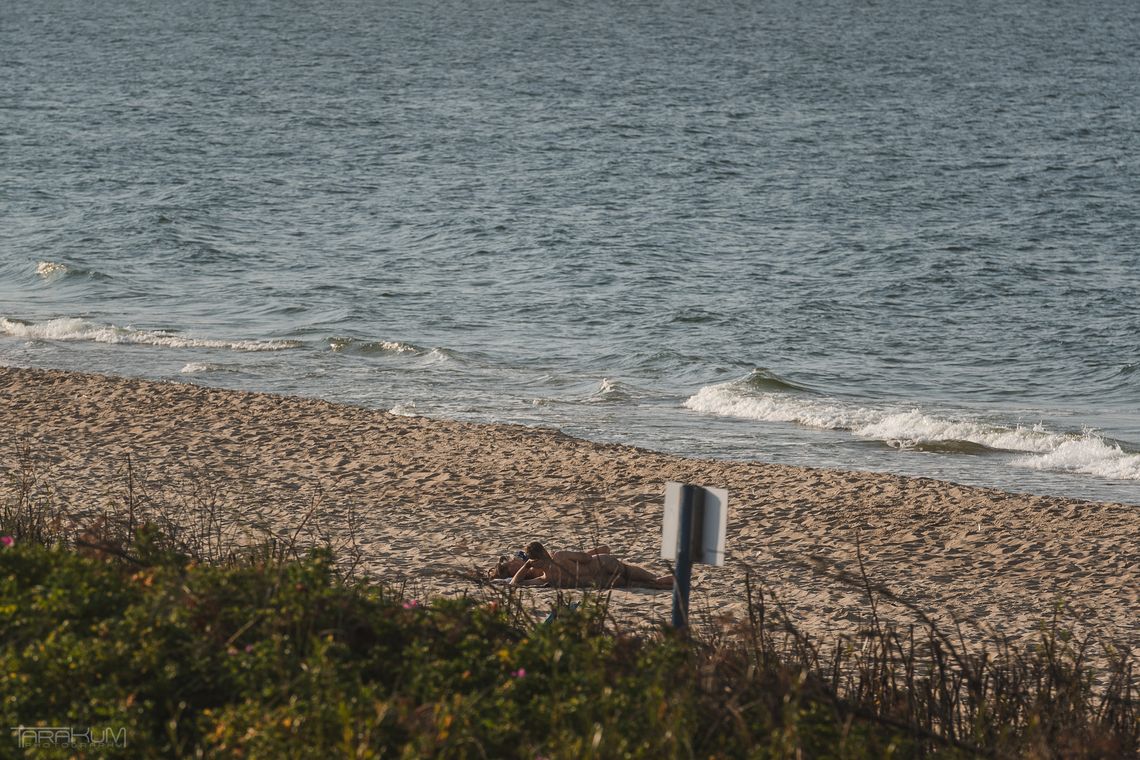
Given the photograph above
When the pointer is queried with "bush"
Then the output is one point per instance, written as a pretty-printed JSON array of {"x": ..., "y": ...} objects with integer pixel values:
[{"x": 288, "y": 659}]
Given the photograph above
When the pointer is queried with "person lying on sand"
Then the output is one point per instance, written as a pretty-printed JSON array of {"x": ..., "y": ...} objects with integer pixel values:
[
  {"x": 570, "y": 569},
  {"x": 509, "y": 566}
]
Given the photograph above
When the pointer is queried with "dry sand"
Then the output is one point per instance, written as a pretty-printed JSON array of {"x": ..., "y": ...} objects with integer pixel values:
[{"x": 434, "y": 499}]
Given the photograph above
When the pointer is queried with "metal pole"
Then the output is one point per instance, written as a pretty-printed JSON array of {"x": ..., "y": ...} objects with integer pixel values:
[
  {"x": 684, "y": 572},
  {"x": 697, "y": 532}
]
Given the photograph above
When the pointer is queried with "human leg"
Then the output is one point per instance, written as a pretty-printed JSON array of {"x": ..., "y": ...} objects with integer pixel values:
[{"x": 639, "y": 576}]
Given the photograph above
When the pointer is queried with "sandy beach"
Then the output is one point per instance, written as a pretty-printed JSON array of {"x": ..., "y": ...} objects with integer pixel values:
[{"x": 428, "y": 500}]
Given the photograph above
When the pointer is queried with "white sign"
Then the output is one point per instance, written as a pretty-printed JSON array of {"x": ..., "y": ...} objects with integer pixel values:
[{"x": 713, "y": 529}]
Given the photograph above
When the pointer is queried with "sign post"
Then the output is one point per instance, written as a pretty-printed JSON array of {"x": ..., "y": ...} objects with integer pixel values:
[{"x": 693, "y": 531}]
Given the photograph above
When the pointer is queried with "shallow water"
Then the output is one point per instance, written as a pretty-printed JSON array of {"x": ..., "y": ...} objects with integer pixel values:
[{"x": 868, "y": 236}]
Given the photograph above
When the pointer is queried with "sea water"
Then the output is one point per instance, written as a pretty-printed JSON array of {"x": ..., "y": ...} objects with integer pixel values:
[{"x": 875, "y": 235}]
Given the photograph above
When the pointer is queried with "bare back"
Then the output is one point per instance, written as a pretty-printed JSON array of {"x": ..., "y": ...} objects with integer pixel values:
[
  {"x": 571, "y": 569},
  {"x": 574, "y": 569}
]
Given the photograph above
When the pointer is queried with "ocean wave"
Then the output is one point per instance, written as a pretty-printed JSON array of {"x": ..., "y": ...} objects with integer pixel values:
[
  {"x": 604, "y": 391},
  {"x": 355, "y": 346},
  {"x": 1087, "y": 455},
  {"x": 611, "y": 391},
  {"x": 440, "y": 355},
  {"x": 928, "y": 431},
  {"x": 739, "y": 398},
  {"x": 51, "y": 269},
  {"x": 55, "y": 270},
  {"x": 404, "y": 409},
  {"x": 918, "y": 430},
  {"x": 74, "y": 328},
  {"x": 765, "y": 380},
  {"x": 941, "y": 447},
  {"x": 197, "y": 368}
]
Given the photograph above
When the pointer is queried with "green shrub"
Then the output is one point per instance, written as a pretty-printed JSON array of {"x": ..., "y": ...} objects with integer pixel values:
[{"x": 285, "y": 659}]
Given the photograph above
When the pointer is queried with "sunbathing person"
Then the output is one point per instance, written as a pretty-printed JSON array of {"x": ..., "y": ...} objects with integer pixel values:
[
  {"x": 508, "y": 567},
  {"x": 570, "y": 569}
]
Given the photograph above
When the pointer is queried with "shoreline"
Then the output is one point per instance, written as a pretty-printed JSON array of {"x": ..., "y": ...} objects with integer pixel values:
[{"x": 428, "y": 500}]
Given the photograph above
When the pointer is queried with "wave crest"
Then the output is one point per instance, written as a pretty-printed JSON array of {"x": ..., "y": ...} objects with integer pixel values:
[
  {"x": 917, "y": 430},
  {"x": 761, "y": 379},
  {"x": 51, "y": 269},
  {"x": 355, "y": 346},
  {"x": 738, "y": 398},
  {"x": 1087, "y": 455},
  {"x": 195, "y": 368},
  {"x": 74, "y": 328},
  {"x": 611, "y": 391},
  {"x": 55, "y": 270}
]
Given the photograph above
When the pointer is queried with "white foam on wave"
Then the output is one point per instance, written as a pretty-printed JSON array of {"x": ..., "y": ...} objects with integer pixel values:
[
  {"x": 1087, "y": 455},
  {"x": 51, "y": 269},
  {"x": 1042, "y": 449},
  {"x": 404, "y": 409},
  {"x": 340, "y": 344},
  {"x": 915, "y": 428},
  {"x": 196, "y": 368},
  {"x": 74, "y": 328},
  {"x": 609, "y": 390},
  {"x": 732, "y": 400},
  {"x": 439, "y": 356}
]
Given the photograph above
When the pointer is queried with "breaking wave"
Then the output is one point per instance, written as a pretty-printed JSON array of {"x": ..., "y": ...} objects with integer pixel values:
[
  {"x": 1087, "y": 455},
  {"x": 50, "y": 269},
  {"x": 914, "y": 429},
  {"x": 404, "y": 409},
  {"x": 384, "y": 348},
  {"x": 55, "y": 270},
  {"x": 74, "y": 328},
  {"x": 355, "y": 346},
  {"x": 197, "y": 368},
  {"x": 765, "y": 380},
  {"x": 611, "y": 391}
]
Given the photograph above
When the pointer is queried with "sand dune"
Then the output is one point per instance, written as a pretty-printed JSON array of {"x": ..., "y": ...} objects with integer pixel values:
[{"x": 431, "y": 499}]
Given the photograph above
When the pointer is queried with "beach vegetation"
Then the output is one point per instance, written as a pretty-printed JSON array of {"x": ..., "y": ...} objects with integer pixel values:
[
  {"x": 288, "y": 659},
  {"x": 276, "y": 650}
]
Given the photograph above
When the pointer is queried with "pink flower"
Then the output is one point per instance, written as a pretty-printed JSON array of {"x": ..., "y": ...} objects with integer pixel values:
[
  {"x": 7, "y": 541},
  {"x": 520, "y": 673},
  {"x": 411, "y": 604}
]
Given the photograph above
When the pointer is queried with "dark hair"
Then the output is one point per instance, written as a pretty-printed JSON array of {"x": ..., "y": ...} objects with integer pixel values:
[{"x": 535, "y": 550}]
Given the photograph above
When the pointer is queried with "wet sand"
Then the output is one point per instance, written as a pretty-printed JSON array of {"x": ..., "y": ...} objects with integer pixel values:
[{"x": 429, "y": 500}]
